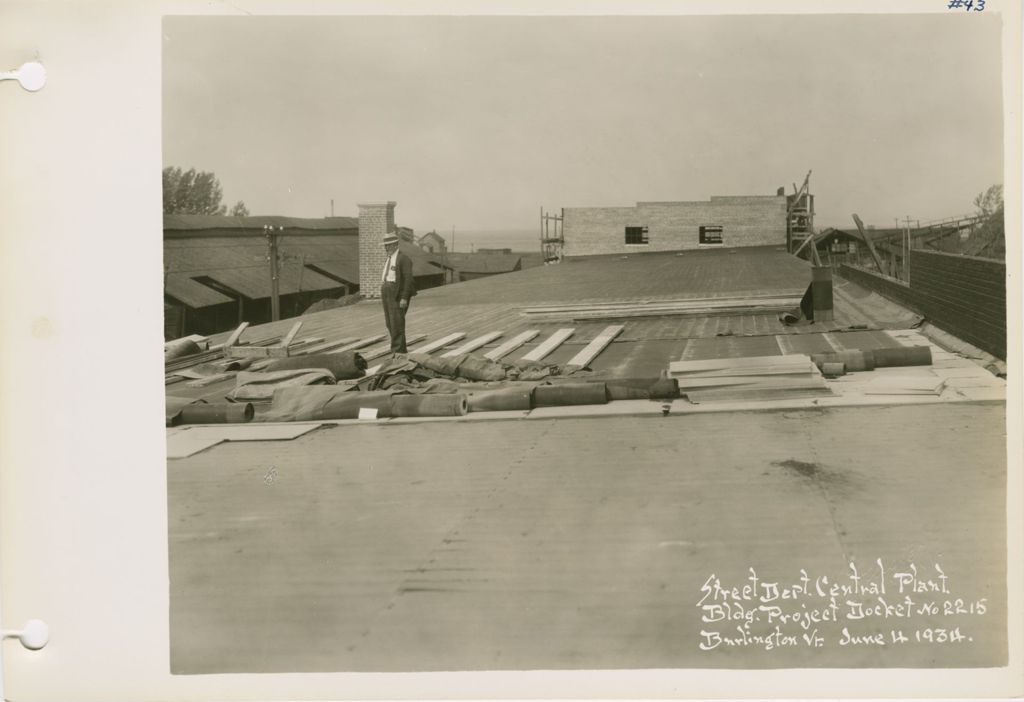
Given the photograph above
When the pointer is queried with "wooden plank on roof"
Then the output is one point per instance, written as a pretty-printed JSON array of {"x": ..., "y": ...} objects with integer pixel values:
[
  {"x": 203, "y": 342},
  {"x": 258, "y": 352},
  {"x": 473, "y": 344},
  {"x": 511, "y": 345},
  {"x": 777, "y": 369},
  {"x": 712, "y": 364},
  {"x": 904, "y": 385},
  {"x": 691, "y": 382},
  {"x": 549, "y": 345},
  {"x": 440, "y": 343},
  {"x": 348, "y": 344},
  {"x": 695, "y": 302},
  {"x": 591, "y": 350},
  {"x": 778, "y": 304},
  {"x": 183, "y": 444},
  {"x": 186, "y": 361},
  {"x": 386, "y": 348},
  {"x": 287, "y": 340},
  {"x": 210, "y": 380},
  {"x": 601, "y": 316},
  {"x": 751, "y": 378},
  {"x": 279, "y": 350},
  {"x": 326, "y": 346},
  {"x": 361, "y": 343},
  {"x": 235, "y": 335},
  {"x": 760, "y": 393},
  {"x": 301, "y": 345}
]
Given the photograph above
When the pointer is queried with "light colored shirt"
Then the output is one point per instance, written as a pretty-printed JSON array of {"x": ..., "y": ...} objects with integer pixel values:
[{"x": 390, "y": 269}]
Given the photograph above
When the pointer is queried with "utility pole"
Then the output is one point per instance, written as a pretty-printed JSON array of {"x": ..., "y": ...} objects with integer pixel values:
[
  {"x": 906, "y": 253},
  {"x": 453, "y": 238},
  {"x": 272, "y": 256},
  {"x": 332, "y": 207},
  {"x": 449, "y": 277}
]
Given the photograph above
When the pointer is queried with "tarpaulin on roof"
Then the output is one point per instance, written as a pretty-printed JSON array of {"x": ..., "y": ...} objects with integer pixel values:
[
  {"x": 342, "y": 365},
  {"x": 293, "y": 404},
  {"x": 261, "y": 386}
]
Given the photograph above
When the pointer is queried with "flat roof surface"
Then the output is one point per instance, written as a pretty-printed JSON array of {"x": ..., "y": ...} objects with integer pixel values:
[
  {"x": 585, "y": 543},
  {"x": 590, "y": 538},
  {"x": 646, "y": 344}
]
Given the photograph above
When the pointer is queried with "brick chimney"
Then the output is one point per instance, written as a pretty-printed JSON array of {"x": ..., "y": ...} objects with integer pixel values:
[{"x": 375, "y": 220}]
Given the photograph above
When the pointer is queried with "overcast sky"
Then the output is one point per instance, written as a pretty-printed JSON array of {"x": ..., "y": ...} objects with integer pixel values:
[{"x": 478, "y": 122}]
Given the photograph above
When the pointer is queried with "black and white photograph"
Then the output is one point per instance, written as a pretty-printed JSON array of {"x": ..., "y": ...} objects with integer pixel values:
[
  {"x": 584, "y": 342},
  {"x": 665, "y": 343}
]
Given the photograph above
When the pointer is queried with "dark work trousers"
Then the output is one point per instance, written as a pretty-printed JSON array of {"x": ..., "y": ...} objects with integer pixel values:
[{"x": 394, "y": 317}]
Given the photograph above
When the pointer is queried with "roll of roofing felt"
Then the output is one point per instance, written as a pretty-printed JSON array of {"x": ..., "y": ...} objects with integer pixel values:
[
  {"x": 428, "y": 405},
  {"x": 625, "y": 391},
  {"x": 854, "y": 360},
  {"x": 644, "y": 387},
  {"x": 664, "y": 387},
  {"x": 346, "y": 405},
  {"x": 222, "y": 413},
  {"x": 344, "y": 366},
  {"x": 446, "y": 366},
  {"x": 175, "y": 405},
  {"x": 179, "y": 348},
  {"x": 903, "y": 356},
  {"x": 479, "y": 368},
  {"x": 833, "y": 370},
  {"x": 570, "y": 394},
  {"x": 501, "y": 399}
]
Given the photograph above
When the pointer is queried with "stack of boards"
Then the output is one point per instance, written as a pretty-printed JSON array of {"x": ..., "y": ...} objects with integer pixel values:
[
  {"x": 701, "y": 306},
  {"x": 905, "y": 385},
  {"x": 756, "y": 378}
]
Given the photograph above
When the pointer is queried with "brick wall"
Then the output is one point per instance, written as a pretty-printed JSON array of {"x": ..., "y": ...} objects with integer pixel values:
[
  {"x": 375, "y": 220},
  {"x": 963, "y": 295},
  {"x": 673, "y": 226}
]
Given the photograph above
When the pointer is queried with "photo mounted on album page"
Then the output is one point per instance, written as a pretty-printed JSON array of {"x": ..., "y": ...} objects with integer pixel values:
[{"x": 667, "y": 350}]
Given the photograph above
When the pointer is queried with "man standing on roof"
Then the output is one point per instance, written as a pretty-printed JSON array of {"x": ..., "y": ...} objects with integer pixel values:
[{"x": 396, "y": 290}]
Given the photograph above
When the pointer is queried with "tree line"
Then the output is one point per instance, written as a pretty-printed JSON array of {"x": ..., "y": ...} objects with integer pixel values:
[
  {"x": 196, "y": 192},
  {"x": 989, "y": 239}
]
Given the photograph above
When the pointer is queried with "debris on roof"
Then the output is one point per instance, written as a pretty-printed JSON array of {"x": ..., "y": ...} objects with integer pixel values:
[
  {"x": 749, "y": 378},
  {"x": 496, "y": 335}
]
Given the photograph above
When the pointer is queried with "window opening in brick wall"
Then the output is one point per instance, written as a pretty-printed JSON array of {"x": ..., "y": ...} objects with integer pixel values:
[
  {"x": 636, "y": 235},
  {"x": 711, "y": 234}
]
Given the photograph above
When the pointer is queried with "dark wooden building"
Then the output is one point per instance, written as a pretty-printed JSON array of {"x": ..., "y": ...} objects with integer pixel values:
[{"x": 217, "y": 272}]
